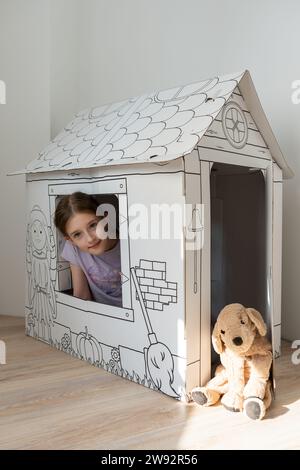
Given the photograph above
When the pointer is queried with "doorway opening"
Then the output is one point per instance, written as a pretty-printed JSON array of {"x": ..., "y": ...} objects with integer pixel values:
[{"x": 238, "y": 238}]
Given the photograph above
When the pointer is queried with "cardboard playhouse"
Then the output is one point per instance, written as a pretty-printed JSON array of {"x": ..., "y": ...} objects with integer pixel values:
[{"x": 206, "y": 146}]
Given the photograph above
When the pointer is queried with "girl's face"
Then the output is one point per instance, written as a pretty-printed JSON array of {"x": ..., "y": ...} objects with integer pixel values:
[{"x": 81, "y": 231}]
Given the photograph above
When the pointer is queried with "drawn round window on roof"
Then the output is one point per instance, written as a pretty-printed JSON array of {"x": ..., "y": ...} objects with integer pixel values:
[{"x": 235, "y": 125}]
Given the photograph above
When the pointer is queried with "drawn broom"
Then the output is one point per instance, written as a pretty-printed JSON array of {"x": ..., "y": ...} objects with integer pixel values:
[{"x": 159, "y": 360}]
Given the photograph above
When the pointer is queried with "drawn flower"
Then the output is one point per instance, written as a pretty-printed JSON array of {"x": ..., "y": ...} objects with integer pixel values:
[
  {"x": 115, "y": 354},
  {"x": 66, "y": 342}
]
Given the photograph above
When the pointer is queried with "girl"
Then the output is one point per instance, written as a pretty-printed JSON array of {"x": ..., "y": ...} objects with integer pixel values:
[{"x": 95, "y": 263}]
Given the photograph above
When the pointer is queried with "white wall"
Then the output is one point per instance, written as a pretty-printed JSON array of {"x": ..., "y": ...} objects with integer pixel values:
[
  {"x": 24, "y": 130},
  {"x": 66, "y": 33},
  {"x": 103, "y": 51}
]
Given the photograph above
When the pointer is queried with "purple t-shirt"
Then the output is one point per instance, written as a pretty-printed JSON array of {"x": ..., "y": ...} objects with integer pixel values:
[{"x": 102, "y": 272}]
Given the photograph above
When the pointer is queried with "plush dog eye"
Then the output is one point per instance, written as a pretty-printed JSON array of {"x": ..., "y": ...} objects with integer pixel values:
[
  {"x": 242, "y": 322},
  {"x": 223, "y": 332}
]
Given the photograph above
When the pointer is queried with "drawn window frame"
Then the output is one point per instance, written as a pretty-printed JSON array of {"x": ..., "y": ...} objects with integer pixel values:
[{"x": 117, "y": 187}]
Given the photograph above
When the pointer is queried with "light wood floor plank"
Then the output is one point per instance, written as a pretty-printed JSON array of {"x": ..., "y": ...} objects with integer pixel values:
[{"x": 49, "y": 400}]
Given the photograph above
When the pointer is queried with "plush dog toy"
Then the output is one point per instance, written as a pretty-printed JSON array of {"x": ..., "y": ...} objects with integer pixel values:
[{"x": 246, "y": 357}]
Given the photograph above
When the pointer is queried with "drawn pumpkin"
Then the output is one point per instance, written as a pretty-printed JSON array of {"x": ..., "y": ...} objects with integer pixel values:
[{"x": 88, "y": 347}]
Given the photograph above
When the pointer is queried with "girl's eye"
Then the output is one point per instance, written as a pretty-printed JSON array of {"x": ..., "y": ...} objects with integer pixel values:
[
  {"x": 242, "y": 322},
  {"x": 223, "y": 332},
  {"x": 94, "y": 225},
  {"x": 76, "y": 235}
]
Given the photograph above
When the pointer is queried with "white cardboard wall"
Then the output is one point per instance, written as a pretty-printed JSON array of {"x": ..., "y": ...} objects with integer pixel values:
[{"x": 143, "y": 341}]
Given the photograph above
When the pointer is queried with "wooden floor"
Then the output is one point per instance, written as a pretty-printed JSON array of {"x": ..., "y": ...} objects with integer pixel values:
[{"x": 49, "y": 400}]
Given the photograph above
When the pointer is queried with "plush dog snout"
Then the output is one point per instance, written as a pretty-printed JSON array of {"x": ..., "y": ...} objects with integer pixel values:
[{"x": 237, "y": 341}]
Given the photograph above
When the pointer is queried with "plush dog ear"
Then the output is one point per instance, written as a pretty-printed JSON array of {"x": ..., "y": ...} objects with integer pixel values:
[
  {"x": 216, "y": 339},
  {"x": 257, "y": 319}
]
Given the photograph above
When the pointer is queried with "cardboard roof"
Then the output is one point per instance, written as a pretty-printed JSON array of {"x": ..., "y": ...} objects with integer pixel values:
[{"x": 155, "y": 127}]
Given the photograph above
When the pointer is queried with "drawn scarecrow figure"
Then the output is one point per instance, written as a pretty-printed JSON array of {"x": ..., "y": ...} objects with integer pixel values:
[{"x": 40, "y": 257}]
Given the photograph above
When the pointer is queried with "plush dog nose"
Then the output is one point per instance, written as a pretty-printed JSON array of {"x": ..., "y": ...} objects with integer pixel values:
[{"x": 237, "y": 340}]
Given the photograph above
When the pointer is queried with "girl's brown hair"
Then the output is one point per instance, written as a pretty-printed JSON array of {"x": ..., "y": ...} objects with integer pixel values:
[{"x": 70, "y": 205}]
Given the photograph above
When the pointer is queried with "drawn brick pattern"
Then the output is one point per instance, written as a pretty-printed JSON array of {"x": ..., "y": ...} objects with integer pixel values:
[{"x": 156, "y": 290}]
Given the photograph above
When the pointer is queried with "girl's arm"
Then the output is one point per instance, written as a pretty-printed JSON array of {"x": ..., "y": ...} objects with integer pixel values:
[{"x": 80, "y": 285}]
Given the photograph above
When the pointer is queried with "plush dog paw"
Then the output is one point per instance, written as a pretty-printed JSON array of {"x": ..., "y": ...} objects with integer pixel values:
[
  {"x": 254, "y": 408},
  {"x": 199, "y": 396},
  {"x": 205, "y": 396},
  {"x": 232, "y": 401},
  {"x": 255, "y": 388}
]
